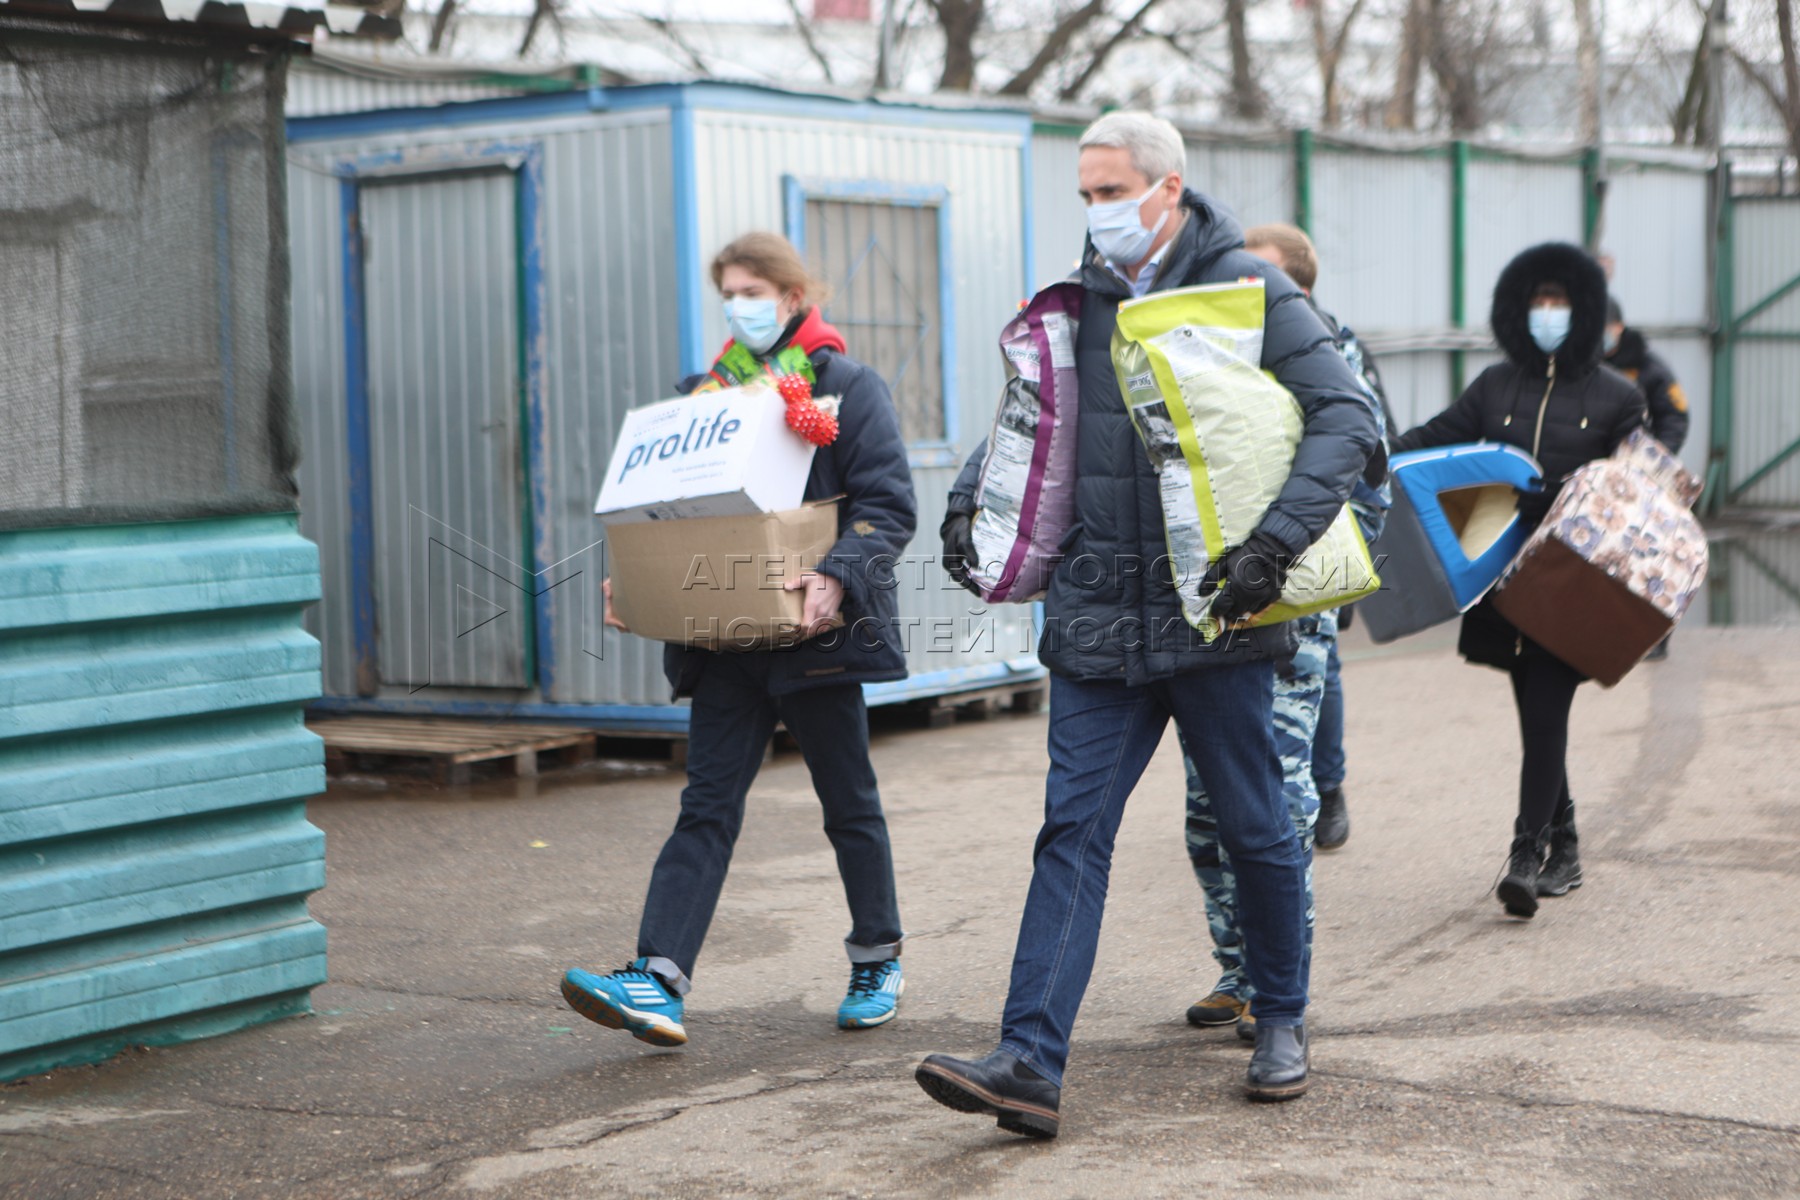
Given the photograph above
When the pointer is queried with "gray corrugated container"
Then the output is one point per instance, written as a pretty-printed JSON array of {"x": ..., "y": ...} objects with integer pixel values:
[{"x": 592, "y": 214}]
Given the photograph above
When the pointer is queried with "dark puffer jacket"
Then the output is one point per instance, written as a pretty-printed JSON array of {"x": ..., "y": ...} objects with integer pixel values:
[
  {"x": 1634, "y": 359},
  {"x": 1110, "y": 614},
  {"x": 1565, "y": 418},
  {"x": 866, "y": 466}
]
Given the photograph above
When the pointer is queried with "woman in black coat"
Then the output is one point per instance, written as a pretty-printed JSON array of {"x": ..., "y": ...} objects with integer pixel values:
[{"x": 1553, "y": 398}]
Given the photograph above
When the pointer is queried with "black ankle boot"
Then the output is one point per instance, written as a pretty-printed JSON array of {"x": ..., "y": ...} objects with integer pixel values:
[
  {"x": 1518, "y": 891},
  {"x": 1333, "y": 827},
  {"x": 998, "y": 1085},
  {"x": 1562, "y": 868}
]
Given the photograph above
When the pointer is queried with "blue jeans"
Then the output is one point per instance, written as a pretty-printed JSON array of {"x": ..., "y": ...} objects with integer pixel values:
[
  {"x": 1329, "y": 765},
  {"x": 1299, "y": 684},
  {"x": 1102, "y": 736},
  {"x": 732, "y": 721}
]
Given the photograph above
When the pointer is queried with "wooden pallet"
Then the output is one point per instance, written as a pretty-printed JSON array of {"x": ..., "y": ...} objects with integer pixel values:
[
  {"x": 984, "y": 704},
  {"x": 450, "y": 747},
  {"x": 676, "y": 740}
]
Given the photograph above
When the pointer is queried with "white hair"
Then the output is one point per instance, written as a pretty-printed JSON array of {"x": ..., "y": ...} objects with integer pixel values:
[{"x": 1155, "y": 145}]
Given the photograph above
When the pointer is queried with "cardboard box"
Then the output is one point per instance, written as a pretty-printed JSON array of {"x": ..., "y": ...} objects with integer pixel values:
[
  {"x": 717, "y": 454},
  {"x": 717, "y": 582}
]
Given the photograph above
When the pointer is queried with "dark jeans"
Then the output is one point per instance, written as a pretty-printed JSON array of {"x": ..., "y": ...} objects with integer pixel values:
[
  {"x": 732, "y": 720},
  {"x": 1328, "y": 763},
  {"x": 1543, "y": 692},
  {"x": 1102, "y": 736}
]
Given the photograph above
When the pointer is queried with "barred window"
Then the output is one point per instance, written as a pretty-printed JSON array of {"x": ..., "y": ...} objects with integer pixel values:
[{"x": 882, "y": 258}]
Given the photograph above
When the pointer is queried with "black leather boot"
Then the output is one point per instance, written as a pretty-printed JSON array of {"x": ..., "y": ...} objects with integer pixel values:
[
  {"x": 999, "y": 1084},
  {"x": 1332, "y": 829},
  {"x": 1562, "y": 868},
  {"x": 1278, "y": 1064},
  {"x": 1518, "y": 890}
]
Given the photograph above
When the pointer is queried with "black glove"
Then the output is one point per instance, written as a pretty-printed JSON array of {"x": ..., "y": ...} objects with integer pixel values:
[
  {"x": 959, "y": 548},
  {"x": 1251, "y": 575}
]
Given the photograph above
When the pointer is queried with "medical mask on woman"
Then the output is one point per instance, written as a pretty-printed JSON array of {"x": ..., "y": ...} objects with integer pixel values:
[
  {"x": 754, "y": 323},
  {"x": 1119, "y": 233},
  {"x": 1549, "y": 327}
]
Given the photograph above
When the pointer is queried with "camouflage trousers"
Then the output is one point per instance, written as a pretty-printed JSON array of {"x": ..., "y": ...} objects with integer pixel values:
[{"x": 1299, "y": 687}]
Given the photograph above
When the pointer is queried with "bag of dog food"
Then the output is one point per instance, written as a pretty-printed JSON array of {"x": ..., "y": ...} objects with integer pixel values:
[
  {"x": 1222, "y": 434},
  {"x": 1026, "y": 497}
]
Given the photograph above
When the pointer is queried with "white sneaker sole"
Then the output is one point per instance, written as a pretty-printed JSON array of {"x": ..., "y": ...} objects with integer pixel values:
[{"x": 871, "y": 1022}]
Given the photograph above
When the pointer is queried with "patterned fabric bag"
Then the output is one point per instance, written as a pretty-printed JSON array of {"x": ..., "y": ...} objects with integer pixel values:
[
  {"x": 1614, "y": 566},
  {"x": 1641, "y": 450}
]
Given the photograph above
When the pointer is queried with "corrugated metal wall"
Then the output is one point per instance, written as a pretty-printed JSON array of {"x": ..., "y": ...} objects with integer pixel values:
[
  {"x": 155, "y": 856},
  {"x": 1753, "y": 578},
  {"x": 610, "y": 336},
  {"x": 1058, "y": 224},
  {"x": 1381, "y": 223},
  {"x": 1766, "y": 416},
  {"x": 742, "y": 158},
  {"x": 1254, "y": 180},
  {"x": 315, "y": 91}
]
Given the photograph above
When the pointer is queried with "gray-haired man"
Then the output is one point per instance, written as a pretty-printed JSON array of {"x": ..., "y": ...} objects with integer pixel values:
[{"x": 1124, "y": 663}]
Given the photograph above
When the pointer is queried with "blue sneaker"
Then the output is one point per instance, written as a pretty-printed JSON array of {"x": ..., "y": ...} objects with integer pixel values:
[
  {"x": 874, "y": 995},
  {"x": 633, "y": 999}
]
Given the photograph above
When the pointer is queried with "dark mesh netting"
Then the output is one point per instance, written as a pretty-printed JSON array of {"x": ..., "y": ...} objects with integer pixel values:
[{"x": 144, "y": 369}]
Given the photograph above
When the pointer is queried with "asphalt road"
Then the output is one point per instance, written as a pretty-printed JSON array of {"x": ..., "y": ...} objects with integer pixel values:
[{"x": 1641, "y": 1037}]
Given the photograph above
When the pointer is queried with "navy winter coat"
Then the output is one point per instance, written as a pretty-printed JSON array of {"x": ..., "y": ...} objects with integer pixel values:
[
  {"x": 867, "y": 467},
  {"x": 1108, "y": 614}
]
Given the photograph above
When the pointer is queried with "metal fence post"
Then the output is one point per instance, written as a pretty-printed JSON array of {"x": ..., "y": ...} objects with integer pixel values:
[
  {"x": 1718, "y": 463},
  {"x": 1303, "y": 158},
  {"x": 1459, "y": 255}
]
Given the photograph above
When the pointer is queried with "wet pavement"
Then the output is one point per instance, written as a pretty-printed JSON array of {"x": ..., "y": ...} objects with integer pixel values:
[{"x": 1640, "y": 1037}]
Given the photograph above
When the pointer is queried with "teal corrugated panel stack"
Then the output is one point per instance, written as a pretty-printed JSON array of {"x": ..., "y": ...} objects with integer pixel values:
[{"x": 155, "y": 856}]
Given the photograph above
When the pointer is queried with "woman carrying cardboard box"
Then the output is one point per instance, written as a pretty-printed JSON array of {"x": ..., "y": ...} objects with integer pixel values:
[{"x": 813, "y": 687}]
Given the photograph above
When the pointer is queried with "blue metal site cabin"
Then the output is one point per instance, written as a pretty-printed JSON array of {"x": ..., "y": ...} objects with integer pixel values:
[{"x": 482, "y": 289}]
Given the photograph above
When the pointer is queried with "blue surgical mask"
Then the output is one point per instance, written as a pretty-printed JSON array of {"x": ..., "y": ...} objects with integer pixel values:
[
  {"x": 1611, "y": 342},
  {"x": 754, "y": 323},
  {"x": 1549, "y": 327},
  {"x": 1118, "y": 230}
]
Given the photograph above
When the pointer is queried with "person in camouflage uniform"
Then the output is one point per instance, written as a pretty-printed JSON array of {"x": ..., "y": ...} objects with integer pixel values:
[{"x": 1300, "y": 689}]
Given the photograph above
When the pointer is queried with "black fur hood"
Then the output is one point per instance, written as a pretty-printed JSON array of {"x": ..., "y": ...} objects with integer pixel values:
[{"x": 1582, "y": 278}]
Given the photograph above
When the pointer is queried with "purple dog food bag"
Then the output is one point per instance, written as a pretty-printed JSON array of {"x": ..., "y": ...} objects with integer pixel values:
[{"x": 1027, "y": 492}]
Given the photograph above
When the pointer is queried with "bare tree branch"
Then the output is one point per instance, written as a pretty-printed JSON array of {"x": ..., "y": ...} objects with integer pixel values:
[
  {"x": 440, "y": 25},
  {"x": 1587, "y": 70},
  {"x": 667, "y": 28},
  {"x": 541, "y": 11},
  {"x": 1415, "y": 50},
  {"x": 1329, "y": 50},
  {"x": 960, "y": 21},
  {"x": 1689, "y": 117},
  {"x": 806, "y": 35},
  {"x": 1790, "y": 73},
  {"x": 1053, "y": 47},
  {"x": 1097, "y": 59},
  {"x": 1247, "y": 100}
]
